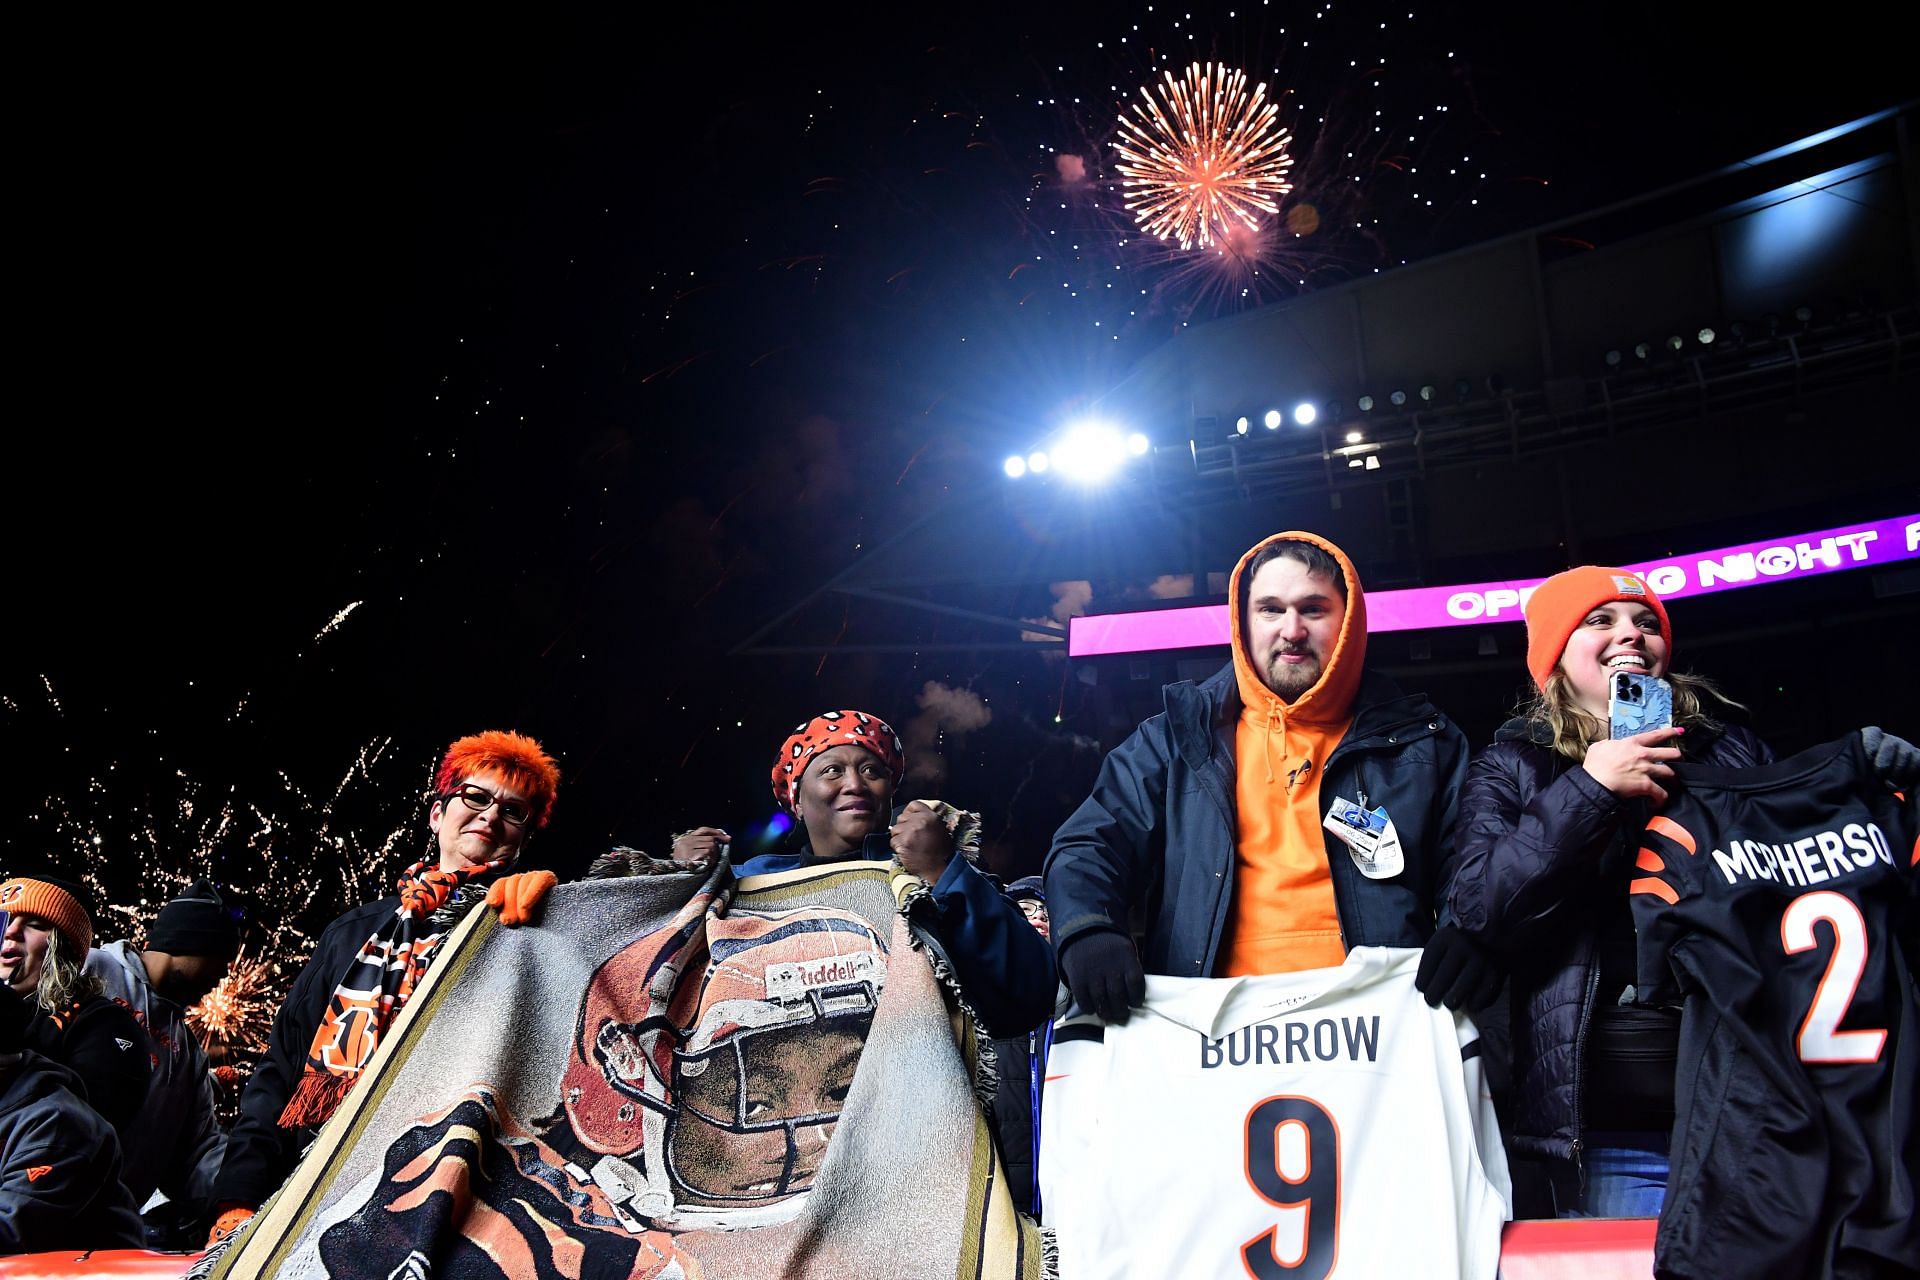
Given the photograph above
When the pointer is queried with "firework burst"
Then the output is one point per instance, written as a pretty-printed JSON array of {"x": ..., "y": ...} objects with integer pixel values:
[
  {"x": 1204, "y": 157},
  {"x": 238, "y": 1013}
]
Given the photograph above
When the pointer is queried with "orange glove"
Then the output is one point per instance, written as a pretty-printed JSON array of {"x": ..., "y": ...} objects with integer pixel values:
[
  {"x": 516, "y": 896},
  {"x": 230, "y": 1221}
]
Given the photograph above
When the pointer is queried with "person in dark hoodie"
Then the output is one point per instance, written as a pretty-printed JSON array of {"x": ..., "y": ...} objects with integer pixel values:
[
  {"x": 175, "y": 1145},
  {"x": 43, "y": 955},
  {"x": 1211, "y": 819},
  {"x": 1549, "y": 824},
  {"x": 59, "y": 1162}
]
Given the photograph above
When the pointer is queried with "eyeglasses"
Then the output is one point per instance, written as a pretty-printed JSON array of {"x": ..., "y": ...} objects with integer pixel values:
[{"x": 477, "y": 798}]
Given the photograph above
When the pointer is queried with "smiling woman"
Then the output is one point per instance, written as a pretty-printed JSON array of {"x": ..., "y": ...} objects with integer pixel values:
[
  {"x": 1550, "y": 819},
  {"x": 490, "y": 793}
]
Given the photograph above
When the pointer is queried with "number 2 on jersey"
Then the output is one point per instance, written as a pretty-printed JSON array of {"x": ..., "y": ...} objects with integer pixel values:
[
  {"x": 1293, "y": 1162},
  {"x": 1820, "y": 1038}
]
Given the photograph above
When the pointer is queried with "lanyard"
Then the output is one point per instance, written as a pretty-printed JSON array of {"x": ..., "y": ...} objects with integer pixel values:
[{"x": 1039, "y": 1045}]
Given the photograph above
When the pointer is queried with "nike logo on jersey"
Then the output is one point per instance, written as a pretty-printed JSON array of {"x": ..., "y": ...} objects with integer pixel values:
[
  {"x": 1278, "y": 1043},
  {"x": 1810, "y": 860}
]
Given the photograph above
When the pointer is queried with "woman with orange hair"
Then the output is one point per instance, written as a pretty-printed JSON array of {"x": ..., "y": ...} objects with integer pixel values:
[{"x": 491, "y": 792}]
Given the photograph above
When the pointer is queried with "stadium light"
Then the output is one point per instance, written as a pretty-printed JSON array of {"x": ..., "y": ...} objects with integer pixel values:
[
  {"x": 1354, "y": 437},
  {"x": 1089, "y": 452},
  {"x": 1242, "y": 426},
  {"x": 1366, "y": 404},
  {"x": 1706, "y": 337},
  {"x": 1138, "y": 444},
  {"x": 1037, "y": 461},
  {"x": 1304, "y": 414},
  {"x": 1399, "y": 398},
  {"x": 1272, "y": 420},
  {"x": 1016, "y": 466}
]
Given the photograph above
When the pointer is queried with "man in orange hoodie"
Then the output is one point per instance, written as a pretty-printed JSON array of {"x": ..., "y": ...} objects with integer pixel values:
[{"x": 1292, "y": 806}]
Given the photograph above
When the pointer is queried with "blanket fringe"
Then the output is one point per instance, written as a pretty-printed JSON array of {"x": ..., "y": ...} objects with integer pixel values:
[
  {"x": 986, "y": 1063},
  {"x": 1049, "y": 1255}
]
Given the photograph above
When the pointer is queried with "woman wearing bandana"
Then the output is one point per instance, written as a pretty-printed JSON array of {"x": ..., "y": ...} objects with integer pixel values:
[
  {"x": 838, "y": 774},
  {"x": 491, "y": 792}
]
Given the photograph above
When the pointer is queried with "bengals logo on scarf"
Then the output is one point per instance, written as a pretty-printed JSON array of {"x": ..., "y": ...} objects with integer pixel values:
[{"x": 376, "y": 986}]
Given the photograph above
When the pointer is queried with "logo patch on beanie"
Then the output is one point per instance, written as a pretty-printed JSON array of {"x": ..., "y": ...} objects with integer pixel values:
[
  {"x": 1628, "y": 585},
  {"x": 10, "y": 893}
]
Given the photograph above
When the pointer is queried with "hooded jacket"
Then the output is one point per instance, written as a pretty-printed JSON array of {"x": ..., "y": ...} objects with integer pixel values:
[
  {"x": 1539, "y": 842},
  {"x": 59, "y": 1165},
  {"x": 1283, "y": 915},
  {"x": 174, "y": 1144},
  {"x": 1162, "y": 834}
]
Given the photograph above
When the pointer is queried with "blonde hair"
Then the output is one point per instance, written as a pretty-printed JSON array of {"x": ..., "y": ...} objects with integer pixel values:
[
  {"x": 63, "y": 982},
  {"x": 1574, "y": 728}
]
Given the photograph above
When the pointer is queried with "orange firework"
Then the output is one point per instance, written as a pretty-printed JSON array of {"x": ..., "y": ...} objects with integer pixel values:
[
  {"x": 1203, "y": 157},
  {"x": 238, "y": 1013}
]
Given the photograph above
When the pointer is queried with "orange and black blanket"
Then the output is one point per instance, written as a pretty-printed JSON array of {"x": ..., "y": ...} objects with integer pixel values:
[{"x": 669, "y": 1078}]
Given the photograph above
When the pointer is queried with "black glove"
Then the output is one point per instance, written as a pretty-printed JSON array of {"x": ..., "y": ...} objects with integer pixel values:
[
  {"x": 1103, "y": 972},
  {"x": 1456, "y": 970},
  {"x": 1895, "y": 760}
]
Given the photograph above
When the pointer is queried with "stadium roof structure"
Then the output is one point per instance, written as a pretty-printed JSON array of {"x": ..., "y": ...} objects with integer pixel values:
[{"x": 1742, "y": 343}]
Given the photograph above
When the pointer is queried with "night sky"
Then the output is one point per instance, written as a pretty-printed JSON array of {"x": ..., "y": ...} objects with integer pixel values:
[{"x": 566, "y": 356}]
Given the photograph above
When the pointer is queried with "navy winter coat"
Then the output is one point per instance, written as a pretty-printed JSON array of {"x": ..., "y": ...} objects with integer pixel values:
[
  {"x": 1538, "y": 838},
  {"x": 1158, "y": 831}
]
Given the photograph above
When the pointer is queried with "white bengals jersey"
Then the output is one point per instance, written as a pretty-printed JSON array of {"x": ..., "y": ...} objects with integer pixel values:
[{"x": 1289, "y": 1127}]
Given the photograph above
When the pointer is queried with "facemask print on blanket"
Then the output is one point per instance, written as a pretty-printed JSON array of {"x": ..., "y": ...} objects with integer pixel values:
[{"x": 666, "y": 1079}]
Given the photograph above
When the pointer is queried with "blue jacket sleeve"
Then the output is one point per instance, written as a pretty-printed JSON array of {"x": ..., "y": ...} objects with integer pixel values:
[
  {"x": 1004, "y": 967},
  {"x": 1103, "y": 856}
]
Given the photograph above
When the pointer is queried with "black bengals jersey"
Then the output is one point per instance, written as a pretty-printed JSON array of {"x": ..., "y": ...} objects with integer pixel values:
[{"x": 1769, "y": 901}]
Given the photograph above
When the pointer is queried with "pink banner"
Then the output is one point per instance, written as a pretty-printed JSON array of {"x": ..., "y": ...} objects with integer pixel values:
[{"x": 1751, "y": 564}]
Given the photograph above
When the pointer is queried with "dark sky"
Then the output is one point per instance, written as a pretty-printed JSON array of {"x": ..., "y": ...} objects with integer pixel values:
[{"x": 568, "y": 355}]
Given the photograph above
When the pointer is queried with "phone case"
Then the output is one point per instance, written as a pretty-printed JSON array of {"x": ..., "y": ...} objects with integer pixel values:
[{"x": 1636, "y": 703}]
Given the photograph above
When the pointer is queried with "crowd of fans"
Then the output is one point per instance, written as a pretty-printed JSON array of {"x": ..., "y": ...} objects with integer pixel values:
[{"x": 1202, "y": 850}]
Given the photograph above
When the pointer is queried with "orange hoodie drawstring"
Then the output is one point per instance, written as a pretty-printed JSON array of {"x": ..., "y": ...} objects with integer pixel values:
[{"x": 1273, "y": 724}]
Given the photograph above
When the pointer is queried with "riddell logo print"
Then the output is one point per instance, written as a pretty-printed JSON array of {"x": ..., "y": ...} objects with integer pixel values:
[
  {"x": 38, "y": 1172},
  {"x": 793, "y": 980}
]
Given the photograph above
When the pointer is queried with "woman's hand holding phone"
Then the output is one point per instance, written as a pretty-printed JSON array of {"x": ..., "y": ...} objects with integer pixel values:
[{"x": 1635, "y": 766}]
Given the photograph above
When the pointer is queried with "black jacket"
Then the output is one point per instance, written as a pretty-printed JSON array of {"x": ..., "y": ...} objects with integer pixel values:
[
  {"x": 1538, "y": 839},
  {"x": 102, "y": 1045},
  {"x": 59, "y": 1166},
  {"x": 260, "y": 1154},
  {"x": 1158, "y": 830}
]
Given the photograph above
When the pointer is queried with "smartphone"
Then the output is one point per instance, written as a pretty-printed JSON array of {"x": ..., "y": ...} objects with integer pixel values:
[{"x": 1637, "y": 703}]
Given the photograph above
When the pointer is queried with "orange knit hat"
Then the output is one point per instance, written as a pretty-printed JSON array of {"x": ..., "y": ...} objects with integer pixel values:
[
  {"x": 55, "y": 903},
  {"x": 1557, "y": 606}
]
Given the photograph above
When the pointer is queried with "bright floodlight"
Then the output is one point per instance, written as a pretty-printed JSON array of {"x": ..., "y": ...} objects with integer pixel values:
[
  {"x": 1706, "y": 337},
  {"x": 1037, "y": 461},
  {"x": 1354, "y": 437},
  {"x": 1016, "y": 466},
  {"x": 1090, "y": 452},
  {"x": 1272, "y": 419},
  {"x": 1241, "y": 425},
  {"x": 1138, "y": 444},
  {"x": 1304, "y": 414}
]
